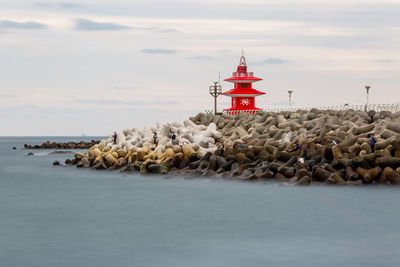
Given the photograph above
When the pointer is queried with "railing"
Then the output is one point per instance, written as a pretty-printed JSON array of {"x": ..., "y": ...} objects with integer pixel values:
[
  {"x": 235, "y": 112},
  {"x": 242, "y": 74},
  {"x": 376, "y": 107}
]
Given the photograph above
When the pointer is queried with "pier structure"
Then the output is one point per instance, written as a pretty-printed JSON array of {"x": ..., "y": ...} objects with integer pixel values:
[{"x": 243, "y": 94}]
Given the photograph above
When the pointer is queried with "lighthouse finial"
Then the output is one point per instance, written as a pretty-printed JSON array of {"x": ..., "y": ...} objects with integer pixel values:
[{"x": 242, "y": 59}]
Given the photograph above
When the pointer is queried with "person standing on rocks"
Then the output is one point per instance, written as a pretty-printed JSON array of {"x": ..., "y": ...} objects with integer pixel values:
[
  {"x": 222, "y": 149},
  {"x": 115, "y": 137},
  {"x": 155, "y": 139},
  {"x": 372, "y": 141},
  {"x": 303, "y": 150},
  {"x": 297, "y": 148},
  {"x": 173, "y": 139}
]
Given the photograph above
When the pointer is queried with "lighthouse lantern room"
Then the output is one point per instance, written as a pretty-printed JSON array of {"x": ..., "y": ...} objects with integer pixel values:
[{"x": 242, "y": 94}]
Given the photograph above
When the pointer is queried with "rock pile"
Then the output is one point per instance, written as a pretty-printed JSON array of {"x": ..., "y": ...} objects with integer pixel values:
[
  {"x": 69, "y": 145},
  {"x": 261, "y": 146},
  {"x": 134, "y": 148}
]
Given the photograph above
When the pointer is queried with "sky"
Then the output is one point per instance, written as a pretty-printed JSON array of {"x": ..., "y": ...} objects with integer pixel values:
[{"x": 94, "y": 67}]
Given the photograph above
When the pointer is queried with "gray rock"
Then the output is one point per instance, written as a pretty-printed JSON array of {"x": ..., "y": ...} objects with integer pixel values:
[
  {"x": 157, "y": 168},
  {"x": 212, "y": 164},
  {"x": 304, "y": 181}
]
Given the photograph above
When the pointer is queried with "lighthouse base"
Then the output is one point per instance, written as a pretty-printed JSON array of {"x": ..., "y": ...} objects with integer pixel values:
[{"x": 238, "y": 111}]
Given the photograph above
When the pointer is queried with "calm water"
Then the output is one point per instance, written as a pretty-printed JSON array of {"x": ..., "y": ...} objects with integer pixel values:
[{"x": 63, "y": 216}]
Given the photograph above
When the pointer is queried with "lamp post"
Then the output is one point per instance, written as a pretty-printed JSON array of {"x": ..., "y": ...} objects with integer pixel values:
[
  {"x": 367, "y": 88},
  {"x": 215, "y": 91},
  {"x": 290, "y": 98}
]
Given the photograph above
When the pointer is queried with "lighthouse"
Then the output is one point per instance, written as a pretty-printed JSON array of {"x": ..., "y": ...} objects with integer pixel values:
[{"x": 243, "y": 94}]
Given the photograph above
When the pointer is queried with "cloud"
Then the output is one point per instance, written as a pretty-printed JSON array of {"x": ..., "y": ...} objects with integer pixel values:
[
  {"x": 88, "y": 25},
  {"x": 168, "y": 30},
  {"x": 123, "y": 88},
  {"x": 202, "y": 57},
  {"x": 385, "y": 61},
  {"x": 102, "y": 101},
  {"x": 158, "y": 51},
  {"x": 7, "y": 96},
  {"x": 144, "y": 28},
  {"x": 15, "y": 108},
  {"x": 273, "y": 60},
  {"x": 29, "y": 25},
  {"x": 69, "y": 5},
  {"x": 43, "y": 4},
  {"x": 64, "y": 5}
]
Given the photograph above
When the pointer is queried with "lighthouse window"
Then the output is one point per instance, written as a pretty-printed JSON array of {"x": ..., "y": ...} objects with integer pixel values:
[{"x": 244, "y": 85}]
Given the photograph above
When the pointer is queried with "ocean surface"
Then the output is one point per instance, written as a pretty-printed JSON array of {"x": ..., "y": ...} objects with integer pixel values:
[{"x": 60, "y": 216}]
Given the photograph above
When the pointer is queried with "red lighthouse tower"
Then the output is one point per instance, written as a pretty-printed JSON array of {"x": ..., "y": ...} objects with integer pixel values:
[{"x": 242, "y": 94}]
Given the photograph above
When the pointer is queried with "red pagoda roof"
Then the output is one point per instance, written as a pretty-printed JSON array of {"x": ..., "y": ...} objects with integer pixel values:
[
  {"x": 243, "y": 92},
  {"x": 246, "y": 77}
]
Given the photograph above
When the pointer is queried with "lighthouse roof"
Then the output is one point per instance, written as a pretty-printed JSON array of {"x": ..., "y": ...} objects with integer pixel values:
[
  {"x": 243, "y": 78},
  {"x": 241, "y": 75},
  {"x": 243, "y": 92}
]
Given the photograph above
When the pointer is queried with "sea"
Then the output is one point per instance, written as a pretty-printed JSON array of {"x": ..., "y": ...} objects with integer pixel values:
[{"x": 59, "y": 216}]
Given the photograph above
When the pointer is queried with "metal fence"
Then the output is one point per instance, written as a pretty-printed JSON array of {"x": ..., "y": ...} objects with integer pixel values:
[
  {"x": 376, "y": 107},
  {"x": 235, "y": 112}
]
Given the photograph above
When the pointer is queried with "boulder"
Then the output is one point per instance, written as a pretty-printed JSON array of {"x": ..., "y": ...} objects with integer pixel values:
[
  {"x": 121, "y": 153},
  {"x": 110, "y": 159},
  {"x": 237, "y": 169},
  {"x": 248, "y": 174},
  {"x": 369, "y": 175},
  {"x": 241, "y": 158},
  {"x": 84, "y": 162},
  {"x": 337, "y": 153},
  {"x": 157, "y": 168},
  {"x": 303, "y": 172},
  {"x": 395, "y": 127},
  {"x": 189, "y": 152},
  {"x": 212, "y": 164},
  {"x": 321, "y": 175},
  {"x": 363, "y": 129},
  {"x": 387, "y": 161},
  {"x": 389, "y": 175},
  {"x": 352, "y": 175},
  {"x": 241, "y": 132},
  {"x": 337, "y": 179},
  {"x": 283, "y": 156},
  {"x": 305, "y": 180},
  {"x": 78, "y": 156},
  {"x": 281, "y": 178}
]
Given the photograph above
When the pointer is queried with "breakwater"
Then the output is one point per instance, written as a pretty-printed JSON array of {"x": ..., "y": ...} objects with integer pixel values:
[
  {"x": 303, "y": 147},
  {"x": 67, "y": 145}
]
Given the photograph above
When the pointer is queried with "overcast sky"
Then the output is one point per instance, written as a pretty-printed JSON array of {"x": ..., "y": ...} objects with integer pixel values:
[{"x": 95, "y": 66}]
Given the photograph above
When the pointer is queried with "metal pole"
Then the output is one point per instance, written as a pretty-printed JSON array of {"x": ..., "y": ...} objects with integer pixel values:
[
  {"x": 366, "y": 105},
  {"x": 215, "y": 99},
  {"x": 215, "y": 91},
  {"x": 290, "y": 98},
  {"x": 215, "y": 105}
]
